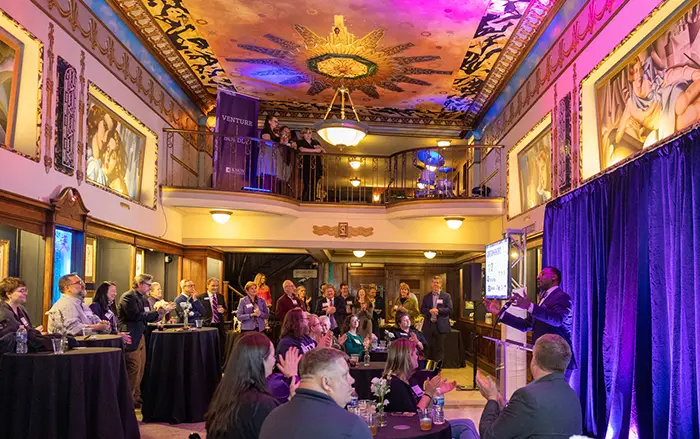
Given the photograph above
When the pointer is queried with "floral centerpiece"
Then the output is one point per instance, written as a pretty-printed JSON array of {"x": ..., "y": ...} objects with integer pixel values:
[
  {"x": 58, "y": 324},
  {"x": 186, "y": 307},
  {"x": 380, "y": 388}
]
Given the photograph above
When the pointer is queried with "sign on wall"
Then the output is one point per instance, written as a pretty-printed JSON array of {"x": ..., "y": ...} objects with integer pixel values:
[{"x": 235, "y": 157}]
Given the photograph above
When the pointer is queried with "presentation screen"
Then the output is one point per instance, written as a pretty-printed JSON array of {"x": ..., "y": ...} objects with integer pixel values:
[{"x": 498, "y": 270}]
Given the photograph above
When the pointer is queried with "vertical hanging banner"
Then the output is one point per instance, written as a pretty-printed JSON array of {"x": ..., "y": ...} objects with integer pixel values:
[{"x": 235, "y": 156}]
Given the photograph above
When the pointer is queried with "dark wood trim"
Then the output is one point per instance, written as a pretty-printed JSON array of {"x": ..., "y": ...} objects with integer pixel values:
[
  {"x": 203, "y": 253},
  {"x": 23, "y": 213}
]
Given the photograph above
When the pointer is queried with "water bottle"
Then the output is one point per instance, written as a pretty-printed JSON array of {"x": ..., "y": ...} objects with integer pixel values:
[
  {"x": 438, "y": 408},
  {"x": 354, "y": 400},
  {"x": 368, "y": 359},
  {"x": 21, "y": 338}
]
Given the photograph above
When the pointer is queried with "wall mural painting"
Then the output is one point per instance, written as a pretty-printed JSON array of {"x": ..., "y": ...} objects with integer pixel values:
[
  {"x": 535, "y": 171},
  {"x": 115, "y": 151},
  {"x": 653, "y": 93},
  {"x": 563, "y": 144},
  {"x": 66, "y": 111},
  {"x": 10, "y": 56}
]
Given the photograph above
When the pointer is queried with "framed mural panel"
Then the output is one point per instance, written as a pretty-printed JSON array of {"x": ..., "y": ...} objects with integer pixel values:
[
  {"x": 653, "y": 92},
  {"x": 563, "y": 144},
  {"x": 4, "y": 258},
  {"x": 115, "y": 148},
  {"x": 90, "y": 259},
  {"x": 66, "y": 112},
  {"x": 535, "y": 171},
  {"x": 140, "y": 258},
  {"x": 10, "y": 58}
]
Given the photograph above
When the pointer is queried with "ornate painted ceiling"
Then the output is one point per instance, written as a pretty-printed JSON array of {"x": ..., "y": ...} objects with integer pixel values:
[{"x": 437, "y": 62}]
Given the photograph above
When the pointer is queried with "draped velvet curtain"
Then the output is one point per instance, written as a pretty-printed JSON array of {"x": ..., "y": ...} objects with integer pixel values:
[{"x": 628, "y": 244}]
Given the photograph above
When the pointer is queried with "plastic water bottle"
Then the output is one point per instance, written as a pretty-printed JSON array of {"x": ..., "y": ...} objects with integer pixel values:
[
  {"x": 354, "y": 401},
  {"x": 21, "y": 339},
  {"x": 438, "y": 408},
  {"x": 368, "y": 359}
]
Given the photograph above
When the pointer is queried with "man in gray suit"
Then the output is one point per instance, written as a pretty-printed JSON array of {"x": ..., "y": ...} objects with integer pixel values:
[
  {"x": 547, "y": 407},
  {"x": 436, "y": 309}
]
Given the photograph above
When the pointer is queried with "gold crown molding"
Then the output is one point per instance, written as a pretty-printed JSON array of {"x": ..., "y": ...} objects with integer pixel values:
[
  {"x": 100, "y": 42},
  {"x": 531, "y": 25},
  {"x": 81, "y": 113},
  {"x": 575, "y": 38},
  {"x": 342, "y": 230},
  {"x": 136, "y": 14}
]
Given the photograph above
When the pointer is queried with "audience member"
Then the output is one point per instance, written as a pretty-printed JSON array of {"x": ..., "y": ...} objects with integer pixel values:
[
  {"x": 134, "y": 314},
  {"x": 345, "y": 294},
  {"x": 214, "y": 306},
  {"x": 312, "y": 165},
  {"x": 103, "y": 306},
  {"x": 315, "y": 329},
  {"x": 188, "y": 294},
  {"x": 436, "y": 310},
  {"x": 301, "y": 295},
  {"x": 328, "y": 306},
  {"x": 243, "y": 400},
  {"x": 252, "y": 310},
  {"x": 547, "y": 407},
  {"x": 379, "y": 307},
  {"x": 263, "y": 289},
  {"x": 404, "y": 303},
  {"x": 155, "y": 295},
  {"x": 317, "y": 409},
  {"x": 363, "y": 309},
  {"x": 295, "y": 333},
  {"x": 351, "y": 341},
  {"x": 70, "y": 313},
  {"x": 327, "y": 333},
  {"x": 404, "y": 330},
  {"x": 13, "y": 296},
  {"x": 288, "y": 301}
]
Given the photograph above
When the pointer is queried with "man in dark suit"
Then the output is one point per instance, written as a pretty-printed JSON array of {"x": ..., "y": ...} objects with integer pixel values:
[
  {"x": 331, "y": 306},
  {"x": 436, "y": 309},
  {"x": 214, "y": 309},
  {"x": 134, "y": 313},
  {"x": 552, "y": 315},
  {"x": 547, "y": 407},
  {"x": 188, "y": 294}
]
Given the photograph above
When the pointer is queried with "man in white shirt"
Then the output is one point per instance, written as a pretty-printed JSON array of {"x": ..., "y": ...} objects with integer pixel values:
[{"x": 70, "y": 313}]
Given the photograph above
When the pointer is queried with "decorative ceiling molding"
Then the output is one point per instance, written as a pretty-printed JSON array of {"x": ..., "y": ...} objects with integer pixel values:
[
  {"x": 89, "y": 31},
  {"x": 573, "y": 41},
  {"x": 173, "y": 46},
  {"x": 342, "y": 230}
]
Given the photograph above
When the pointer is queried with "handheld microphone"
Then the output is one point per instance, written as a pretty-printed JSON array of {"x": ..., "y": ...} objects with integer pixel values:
[{"x": 506, "y": 305}]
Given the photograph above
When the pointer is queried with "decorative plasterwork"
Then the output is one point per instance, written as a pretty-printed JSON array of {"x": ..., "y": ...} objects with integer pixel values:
[
  {"x": 342, "y": 230},
  {"x": 81, "y": 114},
  {"x": 168, "y": 28},
  {"x": 580, "y": 32},
  {"x": 86, "y": 28},
  {"x": 48, "y": 123}
]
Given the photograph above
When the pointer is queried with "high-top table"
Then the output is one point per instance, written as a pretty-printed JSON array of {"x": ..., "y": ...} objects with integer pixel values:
[
  {"x": 363, "y": 377},
  {"x": 81, "y": 394},
  {"x": 401, "y": 427},
  {"x": 100, "y": 341},
  {"x": 183, "y": 370}
]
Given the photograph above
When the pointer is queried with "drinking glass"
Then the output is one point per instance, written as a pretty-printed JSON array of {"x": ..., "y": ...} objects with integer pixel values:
[
  {"x": 371, "y": 419},
  {"x": 354, "y": 359},
  {"x": 425, "y": 419},
  {"x": 57, "y": 345},
  {"x": 198, "y": 323},
  {"x": 87, "y": 332}
]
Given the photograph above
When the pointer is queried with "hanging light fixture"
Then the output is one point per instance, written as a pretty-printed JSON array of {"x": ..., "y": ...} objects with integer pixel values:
[
  {"x": 443, "y": 143},
  {"x": 454, "y": 222},
  {"x": 421, "y": 185},
  {"x": 358, "y": 253},
  {"x": 429, "y": 254},
  {"x": 341, "y": 132},
  {"x": 221, "y": 216},
  {"x": 355, "y": 182},
  {"x": 355, "y": 163}
]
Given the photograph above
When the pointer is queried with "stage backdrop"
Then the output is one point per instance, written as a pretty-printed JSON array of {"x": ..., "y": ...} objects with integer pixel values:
[
  {"x": 628, "y": 245},
  {"x": 235, "y": 157}
]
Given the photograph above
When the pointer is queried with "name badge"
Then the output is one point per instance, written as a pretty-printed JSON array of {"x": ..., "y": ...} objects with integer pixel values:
[
  {"x": 109, "y": 314},
  {"x": 357, "y": 341},
  {"x": 250, "y": 305},
  {"x": 206, "y": 298},
  {"x": 417, "y": 390},
  {"x": 24, "y": 321},
  {"x": 439, "y": 302},
  {"x": 147, "y": 309},
  {"x": 294, "y": 302},
  {"x": 325, "y": 305}
]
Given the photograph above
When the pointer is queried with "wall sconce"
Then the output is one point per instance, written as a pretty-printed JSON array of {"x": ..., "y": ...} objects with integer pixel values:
[
  {"x": 454, "y": 222},
  {"x": 221, "y": 216},
  {"x": 429, "y": 254},
  {"x": 376, "y": 197},
  {"x": 355, "y": 182},
  {"x": 358, "y": 253},
  {"x": 355, "y": 163}
]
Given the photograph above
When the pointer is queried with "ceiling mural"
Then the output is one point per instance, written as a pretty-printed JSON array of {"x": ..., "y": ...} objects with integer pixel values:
[{"x": 404, "y": 60}]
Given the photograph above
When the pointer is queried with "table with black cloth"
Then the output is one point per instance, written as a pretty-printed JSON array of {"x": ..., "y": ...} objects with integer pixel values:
[
  {"x": 81, "y": 394},
  {"x": 154, "y": 327},
  {"x": 454, "y": 351},
  {"x": 183, "y": 370},
  {"x": 363, "y": 377},
  {"x": 100, "y": 341},
  {"x": 379, "y": 356},
  {"x": 231, "y": 337},
  {"x": 413, "y": 431}
]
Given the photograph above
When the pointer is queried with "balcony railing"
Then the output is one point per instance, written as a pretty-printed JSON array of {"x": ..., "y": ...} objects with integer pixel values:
[{"x": 205, "y": 160}]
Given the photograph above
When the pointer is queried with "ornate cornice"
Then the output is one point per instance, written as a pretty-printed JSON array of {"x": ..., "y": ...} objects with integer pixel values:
[
  {"x": 566, "y": 48},
  {"x": 342, "y": 230},
  {"x": 84, "y": 26}
]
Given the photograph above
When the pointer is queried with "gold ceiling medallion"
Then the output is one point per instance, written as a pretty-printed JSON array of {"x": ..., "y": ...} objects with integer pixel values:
[
  {"x": 340, "y": 60},
  {"x": 343, "y": 230}
]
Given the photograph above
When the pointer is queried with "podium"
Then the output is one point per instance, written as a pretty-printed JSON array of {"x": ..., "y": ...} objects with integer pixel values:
[{"x": 511, "y": 365}]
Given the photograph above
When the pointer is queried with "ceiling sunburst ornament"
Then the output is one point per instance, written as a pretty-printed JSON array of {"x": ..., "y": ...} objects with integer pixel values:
[{"x": 340, "y": 60}]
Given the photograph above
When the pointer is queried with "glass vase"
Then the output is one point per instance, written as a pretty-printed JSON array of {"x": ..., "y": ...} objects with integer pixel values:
[
  {"x": 186, "y": 320},
  {"x": 381, "y": 416}
]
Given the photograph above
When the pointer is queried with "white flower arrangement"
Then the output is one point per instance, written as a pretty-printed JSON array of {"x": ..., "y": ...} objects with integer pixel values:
[
  {"x": 59, "y": 324},
  {"x": 380, "y": 388}
]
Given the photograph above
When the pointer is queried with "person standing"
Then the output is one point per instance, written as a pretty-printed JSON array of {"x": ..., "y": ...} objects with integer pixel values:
[
  {"x": 379, "y": 306},
  {"x": 214, "y": 306},
  {"x": 312, "y": 164},
  {"x": 345, "y": 294},
  {"x": 188, "y": 294},
  {"x": 405, "y": 304},
  {"x": 134, "y": 314},
  {"x": 436, "y": 309},
  {"x": 288, "y": 301},
  {"x": 263, "y": 289},
  {"x": 252, "y": 310},
  {"x": 155, "y": 295},
  {"x": 552, "y": 315},
  {"x": 329, "y": 306}
]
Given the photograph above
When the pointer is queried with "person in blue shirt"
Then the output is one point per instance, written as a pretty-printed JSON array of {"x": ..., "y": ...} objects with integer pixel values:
[{"x": 188, "y": 294}]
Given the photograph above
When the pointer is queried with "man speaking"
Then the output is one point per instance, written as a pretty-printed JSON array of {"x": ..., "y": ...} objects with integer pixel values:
[{"x": 551, "y": 315}]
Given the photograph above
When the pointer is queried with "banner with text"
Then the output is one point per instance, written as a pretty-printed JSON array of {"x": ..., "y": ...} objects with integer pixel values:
[{"x": 235, "y": 158}]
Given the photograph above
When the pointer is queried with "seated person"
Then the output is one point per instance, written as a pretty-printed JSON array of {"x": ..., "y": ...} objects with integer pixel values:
[
  {"x": 352, "y": 342},
  {"x": 406, "y": 395},
  {"x": 13, "y": 296},
  {"x": 324, "y": 390},
  {"x": 70, "y": 314},
  {"x": 547, "y": 407},
  {"x": 325, "y": 322},
  {"x": 295, "y": 332},
  {"x": 404, "y": 330},
  {"x": 315, "y": 328},
  {"x": 188, "y": 294}
]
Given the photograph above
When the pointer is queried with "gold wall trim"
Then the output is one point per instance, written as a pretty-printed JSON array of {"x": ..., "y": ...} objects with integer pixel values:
[
  {"x": 85, "y": 27},
  {"x": 342, "y": 230},
  {"x": 81, "y": 113}
]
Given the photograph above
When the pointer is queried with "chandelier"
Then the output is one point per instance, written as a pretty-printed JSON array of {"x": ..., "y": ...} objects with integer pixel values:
[{"x": 341, "y": 132}]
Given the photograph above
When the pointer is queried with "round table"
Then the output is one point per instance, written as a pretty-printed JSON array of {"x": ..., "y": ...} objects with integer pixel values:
[
  {"x": 81, "y": 394},
  {"x": 100, "y": 341},
  {"x": 183, "y": 371},
  {"x": 231, "y": 337},
  {"x": 378, "y": 356},
  {"x": 413, "y": 431},
  {"x": 363, "y": 377}
]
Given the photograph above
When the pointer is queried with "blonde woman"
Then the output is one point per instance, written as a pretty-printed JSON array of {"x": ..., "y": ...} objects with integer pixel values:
[
  {"x": 263, "y": 289},
  {"x": 301, "y": 295},
  {"x": 406, "y": 304},
  {"x": 363, "y": 308}
]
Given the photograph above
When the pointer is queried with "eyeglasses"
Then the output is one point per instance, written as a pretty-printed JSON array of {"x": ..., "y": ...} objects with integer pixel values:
[
  {"x": 146, "y": 283},
  {"x": 78, "y": 282}
]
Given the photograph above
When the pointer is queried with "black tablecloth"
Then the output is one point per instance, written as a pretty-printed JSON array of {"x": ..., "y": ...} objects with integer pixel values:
[
  {"x": 454, "y": 351},
  {"x": 363, "y": 377},
  {"x": 183, "y": 371},
  {"x": 82, "y": 394},
  {"x": 231, "y": 338},
  {"x": 379, "y": 356},
  {"x": 100, "y": 341},
  {"x": 389, "y": 432}
]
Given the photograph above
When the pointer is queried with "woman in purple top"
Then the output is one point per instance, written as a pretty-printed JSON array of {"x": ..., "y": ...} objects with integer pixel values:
[
  {"x": 295, "y": 333},
  {"x": 252, "y": 310}
]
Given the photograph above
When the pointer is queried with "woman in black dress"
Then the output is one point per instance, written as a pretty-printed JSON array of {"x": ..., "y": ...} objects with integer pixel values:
[
  {"x": 312, "y": 165},
  {"x": 103, "y": 305},
  {"x": 261, "y": 155}
]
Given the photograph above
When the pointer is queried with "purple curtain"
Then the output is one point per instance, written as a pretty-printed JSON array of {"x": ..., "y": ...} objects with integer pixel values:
[{"x": 628, "y": 245}]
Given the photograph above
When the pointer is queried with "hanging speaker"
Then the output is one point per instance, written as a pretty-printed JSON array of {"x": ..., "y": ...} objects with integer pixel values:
[{"x": 472, "y": 282}]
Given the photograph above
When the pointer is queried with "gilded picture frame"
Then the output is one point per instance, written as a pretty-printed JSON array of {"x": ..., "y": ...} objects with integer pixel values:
[
  {"x": 10, "y": 63},
  {"x": 90, "y": 259},
  {"x": 535, "y": 171},
  {"x": 4, "y": 258}
]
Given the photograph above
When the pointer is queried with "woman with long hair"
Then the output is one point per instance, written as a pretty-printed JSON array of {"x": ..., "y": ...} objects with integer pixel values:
[
  {"x": 406, "y": 304},
  {"x": 351, "y": 341},
  {"x": 363, "y": 309},
  {"x": 295, "y": 333},
  {"x": 263, "y": 289},
  {"x": 301, "y": 295},
  {"x": 242, "y": 400},
  {"x": 103, "y": 304}
]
